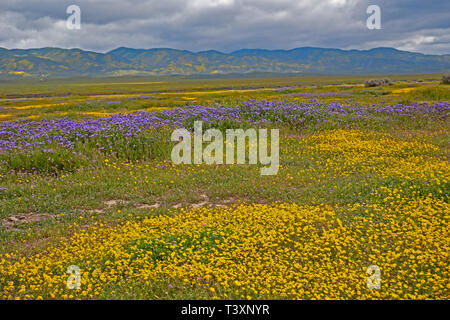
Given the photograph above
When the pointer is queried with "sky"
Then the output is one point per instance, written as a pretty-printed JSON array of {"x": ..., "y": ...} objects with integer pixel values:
[{"x": 226, "y": 25}]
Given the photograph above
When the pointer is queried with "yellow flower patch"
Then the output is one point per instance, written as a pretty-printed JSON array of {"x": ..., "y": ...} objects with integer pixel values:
[
  {"x": 262, "y": 251},
  {"x": 344, "y": 152}
]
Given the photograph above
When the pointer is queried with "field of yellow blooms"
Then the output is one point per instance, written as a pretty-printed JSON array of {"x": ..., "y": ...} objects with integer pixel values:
[
  {"x": 350, "y": 194},
  {"x": 255, "y": 251}
]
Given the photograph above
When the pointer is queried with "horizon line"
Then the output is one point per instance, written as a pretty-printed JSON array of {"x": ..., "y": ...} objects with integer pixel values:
[{"x": 222, "y": 52}]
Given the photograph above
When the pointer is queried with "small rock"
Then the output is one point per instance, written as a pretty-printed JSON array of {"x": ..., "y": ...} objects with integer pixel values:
[
  {"x": 112, "y": 203},
  {"x": 148, "y": 206},
  {"x": 198, "y": 205}
]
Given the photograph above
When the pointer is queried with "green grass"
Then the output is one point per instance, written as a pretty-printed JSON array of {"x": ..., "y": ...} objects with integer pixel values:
[
  {"x": 71, "y": 97},
  {"x": 433, "y": 93}
]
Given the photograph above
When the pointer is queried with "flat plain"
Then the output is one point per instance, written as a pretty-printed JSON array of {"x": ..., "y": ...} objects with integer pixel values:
[{"x": 86, "y": 179}]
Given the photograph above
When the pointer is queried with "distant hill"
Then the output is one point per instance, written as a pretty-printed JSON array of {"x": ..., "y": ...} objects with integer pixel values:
[{"x": 57, "y": 62}]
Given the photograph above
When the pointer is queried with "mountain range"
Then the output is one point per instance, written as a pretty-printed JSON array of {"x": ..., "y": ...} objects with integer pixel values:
[{"x": 58, "y": 62}]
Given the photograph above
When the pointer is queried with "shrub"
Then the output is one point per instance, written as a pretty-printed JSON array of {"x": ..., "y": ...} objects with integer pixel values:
[
  {"x": 446, "y": 79},
  {"x": 378, "y": 82}
]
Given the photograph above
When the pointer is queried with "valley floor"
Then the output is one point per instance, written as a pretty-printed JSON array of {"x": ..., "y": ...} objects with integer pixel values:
[{"x": 362, "y": 186}]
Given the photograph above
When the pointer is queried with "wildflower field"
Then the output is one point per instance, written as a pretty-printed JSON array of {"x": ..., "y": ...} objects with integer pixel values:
[{"x": 86, "y": 179}]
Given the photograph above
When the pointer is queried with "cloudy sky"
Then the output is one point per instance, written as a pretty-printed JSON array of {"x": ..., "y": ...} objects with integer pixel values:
[{"x": 226, "y": 25}]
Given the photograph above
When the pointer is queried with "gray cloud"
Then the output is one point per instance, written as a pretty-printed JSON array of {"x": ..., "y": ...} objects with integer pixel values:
[{"x": 226, "y": 25}]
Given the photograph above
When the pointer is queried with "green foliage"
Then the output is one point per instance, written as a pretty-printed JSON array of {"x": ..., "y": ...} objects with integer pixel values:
[
  {"x": 53, "y": 161},
  {"x": 57, "y": 62},
  {"x": 161, "y": 249},
  {"x": 434, "y": 93}
]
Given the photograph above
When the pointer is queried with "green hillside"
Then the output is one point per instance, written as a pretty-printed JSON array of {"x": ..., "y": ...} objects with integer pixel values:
[{"x": 57, "y": 62}]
